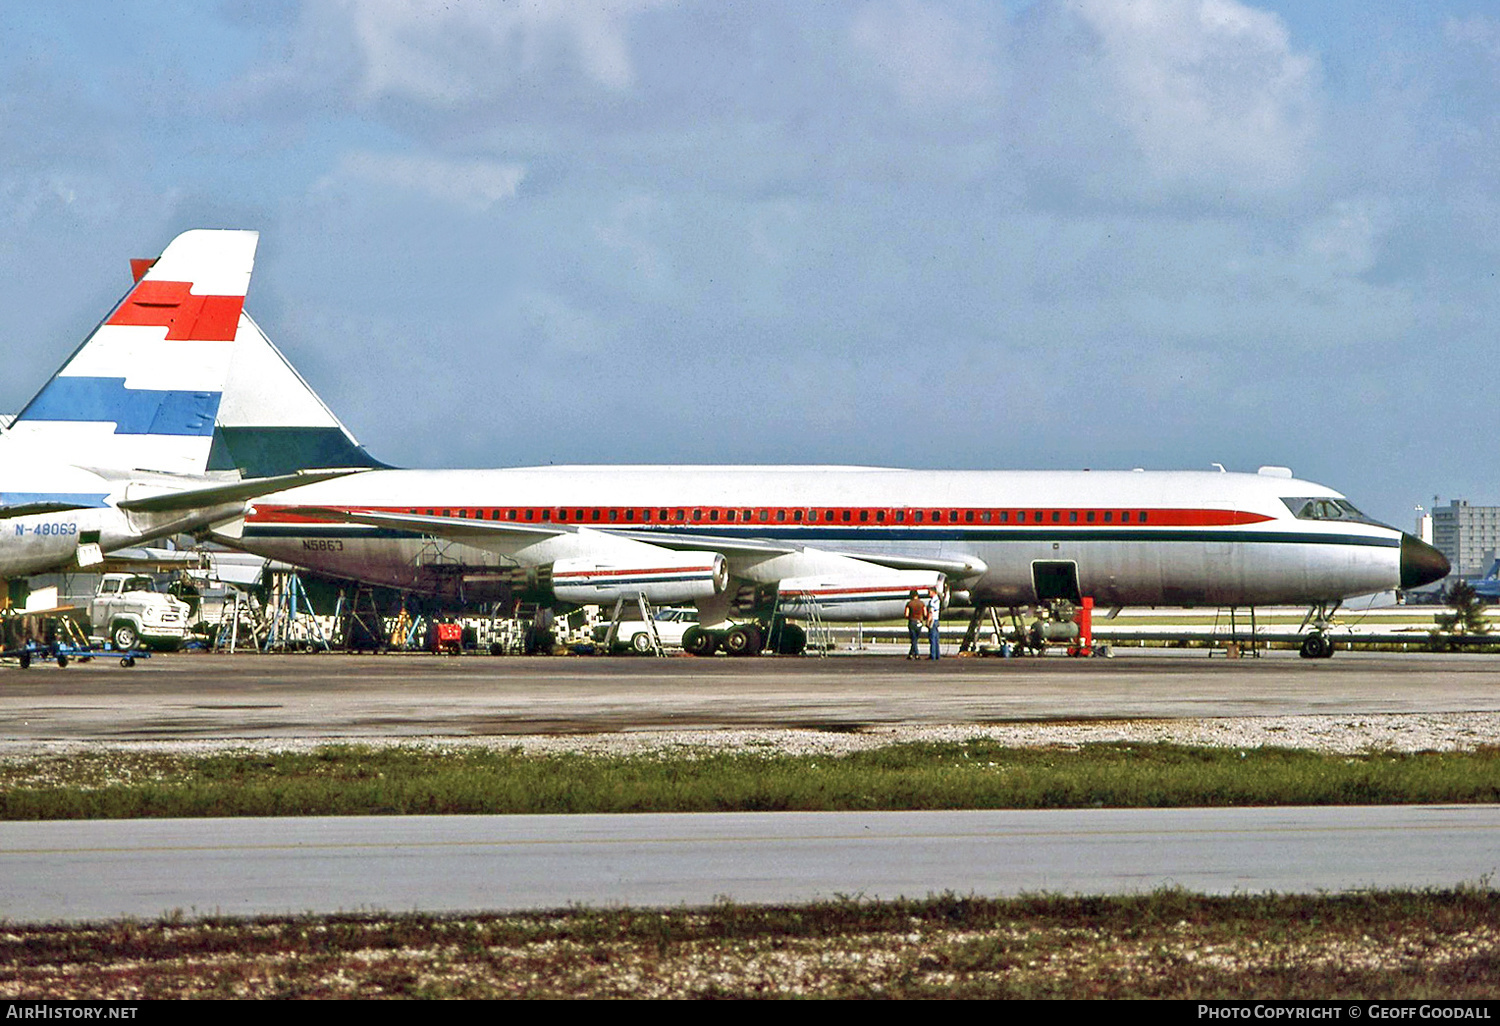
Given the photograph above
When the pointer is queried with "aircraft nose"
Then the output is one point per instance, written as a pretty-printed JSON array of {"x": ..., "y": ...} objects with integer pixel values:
[{"x": 1421, "y": 563}]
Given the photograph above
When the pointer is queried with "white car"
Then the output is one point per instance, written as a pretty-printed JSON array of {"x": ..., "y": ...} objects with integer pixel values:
[{"x": 671, "y": 625}]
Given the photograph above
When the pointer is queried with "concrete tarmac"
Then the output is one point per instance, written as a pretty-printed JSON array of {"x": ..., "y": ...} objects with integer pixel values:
[{"x": 203, "y": 696}]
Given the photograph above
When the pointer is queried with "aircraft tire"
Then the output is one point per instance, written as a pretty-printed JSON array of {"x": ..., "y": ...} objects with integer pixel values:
[
  {"x": 641, "y": 643},
  {"x": 791, "y": 640},
  {"x": 25, "y": 659},
  {"x": 1316, "y": 646},
  {"x": 62, "y": 661},
  {"x": 699, "y": 642},
  {"x": 744, "y": 640}
]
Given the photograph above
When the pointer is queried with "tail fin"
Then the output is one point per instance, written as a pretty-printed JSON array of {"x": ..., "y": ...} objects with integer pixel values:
[
  {"x": 143, "y": 390},
  {"x": 272, "y": 422}
]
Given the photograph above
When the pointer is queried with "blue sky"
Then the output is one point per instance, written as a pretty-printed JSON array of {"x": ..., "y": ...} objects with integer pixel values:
[{"x": 1047, "y": 235}]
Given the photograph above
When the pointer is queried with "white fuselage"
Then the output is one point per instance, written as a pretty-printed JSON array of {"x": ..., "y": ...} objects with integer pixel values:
[
  {"x": 1137, "y": 538},
  {"x": 49, "y": 542}
]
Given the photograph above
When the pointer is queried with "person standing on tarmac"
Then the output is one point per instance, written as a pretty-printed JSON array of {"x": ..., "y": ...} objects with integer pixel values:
[
  {"x": 916, "y": 616},
  {"x": 934, "y": 608}
]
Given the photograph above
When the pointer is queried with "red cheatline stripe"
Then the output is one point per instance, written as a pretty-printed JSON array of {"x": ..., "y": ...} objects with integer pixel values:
[
  {"x": 901, "y": 592},
  {"x": 1154, "y": 517},
  {"x": 187, "y": 318}
]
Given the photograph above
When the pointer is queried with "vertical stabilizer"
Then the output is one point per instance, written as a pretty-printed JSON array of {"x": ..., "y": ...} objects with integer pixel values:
[
  {"x": 143, "y": 390},
  {"x": 272, "y": 422}
]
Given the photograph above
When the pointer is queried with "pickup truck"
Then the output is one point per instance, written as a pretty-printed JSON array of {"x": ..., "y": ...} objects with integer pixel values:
[{"x": 129, "y": 611}]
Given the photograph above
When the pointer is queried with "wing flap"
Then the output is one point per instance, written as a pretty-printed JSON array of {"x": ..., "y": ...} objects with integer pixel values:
[
  {"x": 454, "y": 528},
  {"x": 957, "y": 566}
]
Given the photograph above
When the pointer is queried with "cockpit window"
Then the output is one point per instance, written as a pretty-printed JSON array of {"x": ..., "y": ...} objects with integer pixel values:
[{"x": 1320, "y": 508}]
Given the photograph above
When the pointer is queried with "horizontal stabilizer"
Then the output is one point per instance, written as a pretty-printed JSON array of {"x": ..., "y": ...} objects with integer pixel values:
[
  {"x": 236, "y": 491},
  {"x": 31, "y": 509}
]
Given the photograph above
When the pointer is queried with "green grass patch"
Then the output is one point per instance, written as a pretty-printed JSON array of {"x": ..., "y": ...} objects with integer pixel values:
[
  {"x": 1168, "y": 944},
  {"x": 978, "y": 774}
]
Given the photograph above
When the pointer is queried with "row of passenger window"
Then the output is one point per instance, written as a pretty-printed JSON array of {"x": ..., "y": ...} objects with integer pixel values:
[{"x": 698, "y": 514}]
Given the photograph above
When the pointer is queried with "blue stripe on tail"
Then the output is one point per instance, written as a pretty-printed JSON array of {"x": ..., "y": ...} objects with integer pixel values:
[{"x": 134, "y": 411}]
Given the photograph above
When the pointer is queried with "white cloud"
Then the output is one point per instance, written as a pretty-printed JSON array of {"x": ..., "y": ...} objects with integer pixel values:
[
  {"x": 1475, "y": 31},
  {"x": 1345, "y": 240},
  {"x": 1202, "y": 94},
  {"x": 465, "y": 52},
  {"x": 558, "y": 329},
  {"x": 931, "y": 55},
  {"x": 629, "y": 231},
  {"x": 472, "y": 184}
]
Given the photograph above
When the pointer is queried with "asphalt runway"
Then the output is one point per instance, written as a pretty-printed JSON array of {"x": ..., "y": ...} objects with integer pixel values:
[
  {"x": 201, "y": 696},
  {"x": 110, "y": 869},
  {"x": 144, "y": 868}
]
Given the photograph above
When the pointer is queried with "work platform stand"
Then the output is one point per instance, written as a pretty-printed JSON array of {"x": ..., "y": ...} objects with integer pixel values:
[
  {"x": 648, "y": 616},
  {"x": 293, "y": 623},
  {"x": 971, "y": 636},
  {"x": 1235, "y": 645},
  {"x": 358, "y": 624}
]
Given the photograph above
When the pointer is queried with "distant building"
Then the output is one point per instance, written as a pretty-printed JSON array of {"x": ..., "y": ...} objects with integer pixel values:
[{"x": 1468, "y": 535}]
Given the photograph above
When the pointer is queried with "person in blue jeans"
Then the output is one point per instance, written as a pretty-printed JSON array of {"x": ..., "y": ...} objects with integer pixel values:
[
  {"x": 916, "y": 616},
  {"x": 934, "y": 608}
]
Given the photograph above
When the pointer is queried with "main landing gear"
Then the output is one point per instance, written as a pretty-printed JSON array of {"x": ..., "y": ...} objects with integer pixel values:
[{"x": 746, "y": 639}]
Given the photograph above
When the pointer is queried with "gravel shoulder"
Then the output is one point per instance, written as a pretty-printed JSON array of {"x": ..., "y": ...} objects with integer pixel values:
[{"x": 1335, "y": 734}]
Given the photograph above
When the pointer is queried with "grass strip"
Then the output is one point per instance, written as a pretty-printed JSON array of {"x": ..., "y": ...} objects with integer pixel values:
[
  {"x": 978, "y": 774},
  {"x": 1167, "y": 944}
]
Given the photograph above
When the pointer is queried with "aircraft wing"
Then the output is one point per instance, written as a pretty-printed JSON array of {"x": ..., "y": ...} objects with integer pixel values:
[
  {"x": 234, "y": 491},
  {"x": 967, "y": 566},
  {"x": 460, "y": 529},
  {"x": 454, "y": 528}
]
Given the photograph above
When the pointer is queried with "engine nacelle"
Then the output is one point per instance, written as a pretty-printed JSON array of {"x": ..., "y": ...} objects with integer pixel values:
[
  {"x": 664, "y": 578},
  {"x": 849, "y": 597}
]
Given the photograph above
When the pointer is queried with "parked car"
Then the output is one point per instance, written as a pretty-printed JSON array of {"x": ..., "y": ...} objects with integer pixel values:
[{"x": 671, "y": 625}]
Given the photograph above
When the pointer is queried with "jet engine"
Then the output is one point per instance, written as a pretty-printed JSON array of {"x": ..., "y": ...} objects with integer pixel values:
[
  {"x": 877, "y": 595},
  {"x": 664, "y": 577}
]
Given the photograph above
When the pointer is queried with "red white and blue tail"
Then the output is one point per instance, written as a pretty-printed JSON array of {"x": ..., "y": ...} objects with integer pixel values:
[{"x": 143, "y": 390}]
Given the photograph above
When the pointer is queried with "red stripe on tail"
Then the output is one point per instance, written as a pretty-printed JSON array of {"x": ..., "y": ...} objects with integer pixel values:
[{"x": 187, "y": 318}]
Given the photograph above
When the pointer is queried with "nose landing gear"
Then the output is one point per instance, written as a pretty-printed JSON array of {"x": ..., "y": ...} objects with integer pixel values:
[{"x": 1318, "y": 645}]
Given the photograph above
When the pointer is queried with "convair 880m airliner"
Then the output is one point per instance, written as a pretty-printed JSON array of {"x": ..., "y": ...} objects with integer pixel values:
[
  {"x": 749, "y": 545},
  {"x": 113, "y": 450}
]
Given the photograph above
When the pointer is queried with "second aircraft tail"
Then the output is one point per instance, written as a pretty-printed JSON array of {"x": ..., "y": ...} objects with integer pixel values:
[{"x": 272, "y": 422}]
